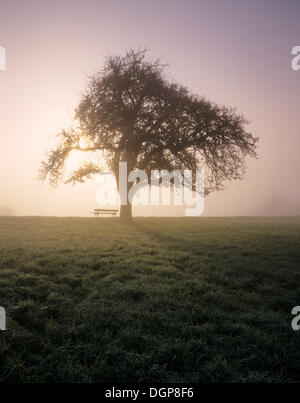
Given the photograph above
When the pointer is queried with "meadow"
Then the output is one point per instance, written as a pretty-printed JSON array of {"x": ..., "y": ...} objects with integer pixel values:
[{"x": 158, "y": 300}]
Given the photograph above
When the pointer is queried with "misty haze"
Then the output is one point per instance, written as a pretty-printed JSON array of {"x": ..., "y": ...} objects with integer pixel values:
[{"x": 149, "y": 203}]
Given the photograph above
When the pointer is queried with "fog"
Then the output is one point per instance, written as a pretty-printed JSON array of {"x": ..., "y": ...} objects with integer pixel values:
[{"x": 233, "y": 52}]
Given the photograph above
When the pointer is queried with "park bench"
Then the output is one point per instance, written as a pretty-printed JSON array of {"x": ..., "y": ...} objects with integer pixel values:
[{"x": 98, "y": 211}]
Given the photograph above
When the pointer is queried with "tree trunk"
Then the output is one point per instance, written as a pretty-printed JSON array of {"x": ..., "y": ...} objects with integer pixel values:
[
  {"x": 125, "y": 209},
  {"x": 126, "y": 212}
]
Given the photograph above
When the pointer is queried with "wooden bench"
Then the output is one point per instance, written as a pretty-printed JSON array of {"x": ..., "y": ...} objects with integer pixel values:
[{"x": 98, "y": 211}]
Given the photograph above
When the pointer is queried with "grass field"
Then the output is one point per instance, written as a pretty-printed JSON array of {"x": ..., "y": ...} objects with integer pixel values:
[{"x": 168, "y": 300}]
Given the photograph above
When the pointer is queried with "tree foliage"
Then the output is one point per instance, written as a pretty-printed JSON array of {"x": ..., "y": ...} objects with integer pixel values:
[{"x": 132, "y": 112}]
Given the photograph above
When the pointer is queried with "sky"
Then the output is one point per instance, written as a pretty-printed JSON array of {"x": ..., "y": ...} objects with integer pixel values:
[{"x": 234, "y": 52}]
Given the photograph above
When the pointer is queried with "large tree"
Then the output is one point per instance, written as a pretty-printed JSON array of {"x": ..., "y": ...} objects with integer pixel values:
[{"x": 132, "y": 113}]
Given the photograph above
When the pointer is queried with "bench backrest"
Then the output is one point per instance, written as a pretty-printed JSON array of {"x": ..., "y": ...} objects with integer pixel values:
[{"x": 105, "y": 209}]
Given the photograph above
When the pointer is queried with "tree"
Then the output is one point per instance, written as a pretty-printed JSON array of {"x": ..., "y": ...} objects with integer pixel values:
[{"x": 133, "y": 113}]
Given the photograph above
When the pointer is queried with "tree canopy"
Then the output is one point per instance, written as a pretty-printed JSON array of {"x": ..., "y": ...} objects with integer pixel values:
[{"x": 132, "y": 112}]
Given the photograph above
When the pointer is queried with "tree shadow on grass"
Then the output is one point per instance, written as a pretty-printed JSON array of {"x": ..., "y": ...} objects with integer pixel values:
[{"x": 163, "y": 237}]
